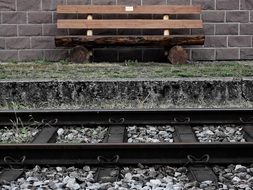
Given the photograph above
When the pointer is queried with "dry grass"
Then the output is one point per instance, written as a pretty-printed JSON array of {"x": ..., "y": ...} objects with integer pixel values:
[
  {"x": 128, "y": 70},
  {"x": 128, "y": 104}
]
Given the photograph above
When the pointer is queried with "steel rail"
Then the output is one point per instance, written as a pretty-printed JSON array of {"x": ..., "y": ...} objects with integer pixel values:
[
  {"x": 163, "y": 153},
  {"x": 157, "y": 153},
  {"x": 108, "y": 117}
]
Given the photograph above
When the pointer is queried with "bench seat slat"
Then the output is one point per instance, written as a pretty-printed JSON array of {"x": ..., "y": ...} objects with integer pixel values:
[
  {"x": 103, "y": 41},
  {"x": 128, "y": 24},
  {"x": 117, "y": 9}
]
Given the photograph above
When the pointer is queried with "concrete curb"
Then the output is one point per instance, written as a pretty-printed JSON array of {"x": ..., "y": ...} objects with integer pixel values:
[{"x": 173, "y": 91}]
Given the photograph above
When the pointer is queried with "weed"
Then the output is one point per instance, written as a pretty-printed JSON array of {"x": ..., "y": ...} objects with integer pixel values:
[
  {"x": 15, "y": 106},
  {"x": 64, "y": 62},
  {"x": 131, "y": 62},
  {"x": 42, "y": 61},
  {"x": 13, "y": 62},
  {"x": 20, "y": 131}
]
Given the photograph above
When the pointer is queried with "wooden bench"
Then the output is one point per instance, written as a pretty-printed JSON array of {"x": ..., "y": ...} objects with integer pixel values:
[{"x": 83, "y": 44}]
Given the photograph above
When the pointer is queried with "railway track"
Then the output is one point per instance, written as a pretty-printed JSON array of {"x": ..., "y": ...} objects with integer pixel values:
[{"x": 114, "y": 152}]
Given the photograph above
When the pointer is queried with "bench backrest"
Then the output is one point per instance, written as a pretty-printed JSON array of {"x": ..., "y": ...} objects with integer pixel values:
[{"x": 166, "y": 23}]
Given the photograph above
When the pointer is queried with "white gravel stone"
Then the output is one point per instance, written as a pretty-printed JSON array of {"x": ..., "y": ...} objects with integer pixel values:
[
  {"x": 240, "y": 168},
  {"x": 11, "y": 135},
  {"x": 60, "y": 131},
  {"x": 71, "y": 183},
  {"x": 128, "y": 176},
  {"x": 218, "y": 133},
  {"x": 81, "y": 135},
  {"x": 86, "y": 168},
  {"x": 177, "y": 174},
  {"x": 155, "y": 182},
  {"x": 150, "y": 134},
  {"x": 59, "y": 169},
  {"x": 236, "y": 180}
]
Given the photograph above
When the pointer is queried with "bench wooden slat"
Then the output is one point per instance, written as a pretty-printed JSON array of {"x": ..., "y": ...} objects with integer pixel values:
[
  {"x": 102, "y": 41},
  {"x": 128, "y": 24},
  {"x": 118, "y": 9}
]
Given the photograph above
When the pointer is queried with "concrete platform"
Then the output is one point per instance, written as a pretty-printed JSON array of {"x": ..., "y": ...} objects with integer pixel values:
[{"x": 164, "y": 93}]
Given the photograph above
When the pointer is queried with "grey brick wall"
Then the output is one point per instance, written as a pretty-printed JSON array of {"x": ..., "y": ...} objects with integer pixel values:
[{"x": 27, "y": 30}]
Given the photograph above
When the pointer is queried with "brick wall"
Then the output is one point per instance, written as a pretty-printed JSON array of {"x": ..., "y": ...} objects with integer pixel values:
[{"x": 27, "y": 30}]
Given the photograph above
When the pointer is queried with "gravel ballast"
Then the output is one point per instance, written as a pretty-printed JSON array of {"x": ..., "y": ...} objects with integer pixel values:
[
  {"x": 235, "y": 177},
  {"x": 15, "y": 135},
  {"x": 217, "y": 133},
  {"x": 53, "y": 178},
  {"x": 232, "y": 177},
  {"x": 81, "y": 134},
  {"x": 137, "y": 178},
  {"x": 150, "y": 134}
]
